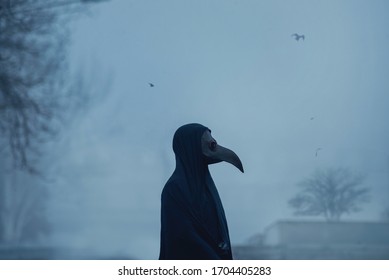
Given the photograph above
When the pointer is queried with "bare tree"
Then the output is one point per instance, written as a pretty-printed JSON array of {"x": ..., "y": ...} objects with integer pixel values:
[
  {"x": 330, "y": 193},
  {"x": 33, "y": 83},
  {"x": 35, "y": 96},
  {"x": 32, "y": 56}
]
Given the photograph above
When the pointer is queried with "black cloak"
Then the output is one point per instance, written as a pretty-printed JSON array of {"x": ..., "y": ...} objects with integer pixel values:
[{"x": 193, "y": 223}]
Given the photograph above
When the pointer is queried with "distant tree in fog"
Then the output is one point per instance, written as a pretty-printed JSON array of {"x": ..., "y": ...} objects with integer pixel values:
[
  {"x": 32, "y": 54},
  {"x": 330, "y": 193},
  {"x": 34, "y": 88},
  {"x": 36, "y": 95}
]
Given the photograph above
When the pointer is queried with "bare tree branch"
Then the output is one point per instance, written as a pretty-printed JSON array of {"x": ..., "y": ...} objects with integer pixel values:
[
  {"x": 331, "y": 193},
  {"x": 35, "y": 98},
  {"x": 32, "y": 44}
]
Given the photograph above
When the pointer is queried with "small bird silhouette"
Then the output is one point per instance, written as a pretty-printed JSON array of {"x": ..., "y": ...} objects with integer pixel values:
[
  {"x": 318, "y": 149},
  {"x": 298, "y": 37},
  {"x": 151, "y": 84},
  {"x": 312, "y": 118}
]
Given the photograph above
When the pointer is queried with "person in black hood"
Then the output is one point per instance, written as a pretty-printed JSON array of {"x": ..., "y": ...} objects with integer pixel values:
[{"x": 193, "y": 223}]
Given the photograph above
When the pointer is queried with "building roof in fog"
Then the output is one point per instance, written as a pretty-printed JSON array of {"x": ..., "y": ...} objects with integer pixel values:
[{"x": 326, "y": 233}]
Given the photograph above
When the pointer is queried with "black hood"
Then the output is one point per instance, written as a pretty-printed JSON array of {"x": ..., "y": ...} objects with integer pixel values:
[{"x": 190, "y": 162}]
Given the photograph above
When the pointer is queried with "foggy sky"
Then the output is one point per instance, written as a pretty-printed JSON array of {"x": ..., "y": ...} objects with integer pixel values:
[{"x": 234, "y": 67}]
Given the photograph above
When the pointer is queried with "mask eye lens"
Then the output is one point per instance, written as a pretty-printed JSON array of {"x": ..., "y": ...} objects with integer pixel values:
[{"x": 212, "y": 145}]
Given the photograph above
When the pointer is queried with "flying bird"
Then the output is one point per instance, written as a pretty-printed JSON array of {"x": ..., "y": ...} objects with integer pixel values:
[
  {"x": 298, "y": 37},
  {"x": 312, "y": 118},
  {"x": 151, "y": 84},
  {"x": 317, "y": 150},
  {"x": 193, "y": 222}
]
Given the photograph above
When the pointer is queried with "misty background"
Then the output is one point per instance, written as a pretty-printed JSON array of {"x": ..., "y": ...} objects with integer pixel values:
[{"x": 232, "y": 66}]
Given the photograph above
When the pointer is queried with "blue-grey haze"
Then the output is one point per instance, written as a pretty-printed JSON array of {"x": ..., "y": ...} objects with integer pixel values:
[{"x": 234, "y": 67}]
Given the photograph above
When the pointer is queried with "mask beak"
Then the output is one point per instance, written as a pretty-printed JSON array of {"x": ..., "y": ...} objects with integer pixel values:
[{"x": 223, "y": 154}]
